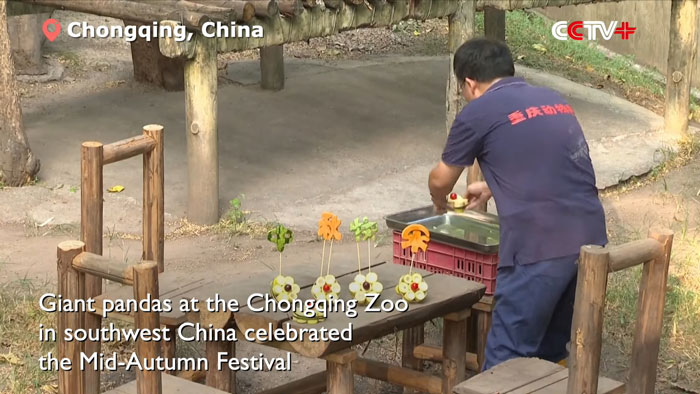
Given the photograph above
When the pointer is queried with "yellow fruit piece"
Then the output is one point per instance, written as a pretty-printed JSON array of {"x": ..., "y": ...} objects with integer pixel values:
[
  {"x": 295, "y": 288},
  {"x": 397, "y": 290},
  {"x": 406, "y": 279},
  {"x": 335, "y": 288},
  {"x": 377, "y": 287},
  {"x": 354, "y": 287},
  {"x": 276, "y": 290},
  {"x": 403, "y": 288},
  {"x": 288, "y": 280},
  {"x": 279, "y": 280},
  {"x": 417, "y": 278},
  {"x": 409, "y": 296},
  {"x": 423, "y": 286},
  {"x": 330, "y": 279},
  {"x": 320, "y": 281},
  {"x": 359, "y": 278},
  {"x": 420, "y": 296},
  {"x": 372, "y": 277}
]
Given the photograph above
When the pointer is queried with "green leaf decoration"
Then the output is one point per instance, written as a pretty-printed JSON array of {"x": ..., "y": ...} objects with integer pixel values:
[
  {"x": 280, "y": 236},
  {"x": 364, "y": 230}
]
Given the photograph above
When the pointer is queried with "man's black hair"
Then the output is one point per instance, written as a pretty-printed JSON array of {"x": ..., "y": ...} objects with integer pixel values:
[{"x": 483, "y": 60}]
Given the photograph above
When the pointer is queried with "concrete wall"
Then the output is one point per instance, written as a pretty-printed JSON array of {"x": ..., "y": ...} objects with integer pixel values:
[{"x": 648, "y": 45}]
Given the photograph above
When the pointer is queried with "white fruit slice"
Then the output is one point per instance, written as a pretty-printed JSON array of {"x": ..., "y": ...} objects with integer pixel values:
[
  {"x": 293, "y": 296},
  {"x": 279, "y": 280},
  {"x": 288, "y": 280},
  {"x": 360, "y": 296},
  {"x": 403, "y": 287},
  {"x": 283, "y": 296},
  {"x": 423, "y": 286},
  {"x": 354, "y": 287},
  {"x": 320, "y": 281},
  {"x": 330, "y": 279},
  {"x": 277, "y": 290},
  {"x": 406, "y": 278},
  {"x": 377, "y": 287},
  {"x": 372, "y": 277},
  {"x": 335, "y": 288},
  {"x": 295, "y": 288},
  {"x": 416, "y": 278},
  {"x": 420, "y": 296},
  {"x": 397, "y": 290},
  {"x": 359, "y": 278},
  {"x": 410, "y": 296},
  {"x": 315, "y": 289}
]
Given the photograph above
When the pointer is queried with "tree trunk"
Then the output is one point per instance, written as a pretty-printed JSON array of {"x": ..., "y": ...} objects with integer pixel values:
[{"x": 18, "y": 165}]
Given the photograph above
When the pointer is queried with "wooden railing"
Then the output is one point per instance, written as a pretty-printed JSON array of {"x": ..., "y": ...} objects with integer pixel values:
[
  {"x": 587, "y": 329},
  {"x": 74, "y": 265},
  {"x": 94, "y": 156}
]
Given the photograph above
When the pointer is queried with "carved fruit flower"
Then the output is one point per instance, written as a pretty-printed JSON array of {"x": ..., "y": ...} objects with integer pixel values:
[
  {"x": 412, "y": 288},
  {"x": 284, "y": 288}
]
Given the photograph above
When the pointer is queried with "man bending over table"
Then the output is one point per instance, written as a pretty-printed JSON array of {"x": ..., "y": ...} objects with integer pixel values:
[{"x": 535, "y": 160}]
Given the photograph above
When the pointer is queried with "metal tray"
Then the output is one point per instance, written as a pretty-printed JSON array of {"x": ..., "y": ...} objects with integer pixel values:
[{"x": 480, "y": 230}]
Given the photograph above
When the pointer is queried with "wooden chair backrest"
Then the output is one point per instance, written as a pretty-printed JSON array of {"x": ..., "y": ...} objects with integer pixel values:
[{"x": 587, "y": 329}]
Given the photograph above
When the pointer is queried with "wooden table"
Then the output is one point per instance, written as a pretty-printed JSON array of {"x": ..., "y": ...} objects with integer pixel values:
[{"x": 448, "y": 298}]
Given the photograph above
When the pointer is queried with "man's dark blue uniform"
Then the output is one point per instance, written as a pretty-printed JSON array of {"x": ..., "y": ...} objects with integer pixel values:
[{"x": 536, "y": 163}]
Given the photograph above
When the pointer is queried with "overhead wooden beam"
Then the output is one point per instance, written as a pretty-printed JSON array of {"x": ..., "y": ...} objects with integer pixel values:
[
  {"x": 265, "y": 8},
  {"x": 290, "y": 8},
  {"x": 525, "y": 4},
  {"x": 681, "y": 62},
  {"x": 128, "y": 10}
]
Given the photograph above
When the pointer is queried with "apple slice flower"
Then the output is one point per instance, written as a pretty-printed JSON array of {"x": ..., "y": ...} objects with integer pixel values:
[
  {"x": 282, "y": 287},
  {"x": 363, "y": 285},
  {"x": 326, "y": 286},
  {"x": 412, "y": 287}
]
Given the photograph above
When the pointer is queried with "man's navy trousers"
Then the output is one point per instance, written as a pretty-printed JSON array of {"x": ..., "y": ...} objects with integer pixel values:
[{"x": 533, "y": 312}]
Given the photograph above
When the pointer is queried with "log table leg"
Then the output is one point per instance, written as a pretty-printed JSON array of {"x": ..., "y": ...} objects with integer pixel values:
[
  {"x": 224, "y": 379},
  {"x": 169, "y": 348},
  {"x": 339, "y": 375},
  {"x": 483, "y": 323},
  {"x": 454, "y": 348},
  {"x": 411, "y": 338}
]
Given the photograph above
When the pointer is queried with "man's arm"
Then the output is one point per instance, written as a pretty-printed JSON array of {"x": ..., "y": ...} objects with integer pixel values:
[{"x": 441, "y": 182}]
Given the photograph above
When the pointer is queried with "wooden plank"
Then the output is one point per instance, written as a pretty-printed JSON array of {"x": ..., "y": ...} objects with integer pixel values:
[
  {"x": 339, "y": 378},
  {"x": 393, "y": 374},
  {"x": 171, "y": 385},
  {"x": 93, "y": 264},
  {"x": 508, "y": 376},
  {"x": 587, "y": 326},
  {"x": 650, "y": 317},
  {"x": 434, "y": 353},
  {"x": 605, "y": 386},
  {"x": 485, "y": 304},
  {"x": 312, "y": 384}
]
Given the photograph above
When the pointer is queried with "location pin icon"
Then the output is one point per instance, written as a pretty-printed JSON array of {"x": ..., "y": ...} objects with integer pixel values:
[{"x": 51, "y": 35}]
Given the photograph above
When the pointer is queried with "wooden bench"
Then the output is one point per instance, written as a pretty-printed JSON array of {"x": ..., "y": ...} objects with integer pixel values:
[{"x": 528, "y": 375}]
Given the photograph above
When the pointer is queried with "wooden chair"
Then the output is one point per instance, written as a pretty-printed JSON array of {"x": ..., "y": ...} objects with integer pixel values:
[
  {"x": 530, "y": 375},
  {"x": 73, "y": 265}
]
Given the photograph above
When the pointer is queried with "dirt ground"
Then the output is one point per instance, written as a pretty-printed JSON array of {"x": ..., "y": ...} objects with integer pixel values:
[{"x": 671, "y": 199}]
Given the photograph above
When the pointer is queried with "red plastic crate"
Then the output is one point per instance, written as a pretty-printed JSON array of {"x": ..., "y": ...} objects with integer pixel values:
[{"x": 450, "y": 260}]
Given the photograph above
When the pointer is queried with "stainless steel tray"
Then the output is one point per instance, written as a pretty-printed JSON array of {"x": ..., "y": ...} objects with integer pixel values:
[{"x": 471, "y": 230}]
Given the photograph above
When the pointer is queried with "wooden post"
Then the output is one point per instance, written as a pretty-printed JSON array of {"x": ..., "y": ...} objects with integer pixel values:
[
  {"x": 339, "y": 376},
  {"x": 154, "y": 199},
  {"x": 462, "y": 27},
  {"x": 145, "y": 285},
  {"x": 681, "y": 61},
  {"x": 91, "y": 196},
  {"x": 70, "y": 287},
  {"x": 169, "y": 348},
  {"x": 495, "y": 23},
  {"x": 454, "y": 349},
  {"x": 224, "y": 379},
  {"x": 202, "y": 148},
  {"x": 411, "y": 338},
  {"x": 150, "y": 66},
  {"x": 272, "y": 67},
  {"x": 650, "y": 317},
  {"x": 587, "y": 327}
]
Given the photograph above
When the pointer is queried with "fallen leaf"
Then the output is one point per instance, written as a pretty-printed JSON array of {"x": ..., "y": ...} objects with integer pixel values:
[
  {"x": 567, "y": 57},
  {"x": 521, "y": 57},
  {"x": 599, "y": 86},
  {"x": 116, "y": 189},
  {"x": 10, "y": 358},
  {"x": 539, "y": 47},
  {"x": 416, "y": 33},
  {"x": 49, "y": 388},
  {"x": 590, "y": 69}
]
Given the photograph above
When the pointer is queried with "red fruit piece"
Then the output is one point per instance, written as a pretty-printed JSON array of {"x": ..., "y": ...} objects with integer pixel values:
[
  {"x": 453, "y": 196},
  {"x": 366, "y": 285},
  {"x": 326, "y": 288},
  {"x": 288, "y": 288},
  {"x": 414, "y": 286}
]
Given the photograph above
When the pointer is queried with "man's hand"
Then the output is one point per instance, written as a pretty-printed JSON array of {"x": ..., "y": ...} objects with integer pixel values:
[
  {"x": 478, "y": 193},
  {"x": 442, "y": 179}
]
